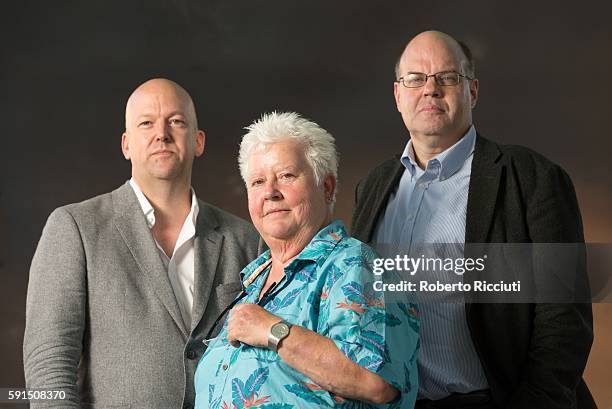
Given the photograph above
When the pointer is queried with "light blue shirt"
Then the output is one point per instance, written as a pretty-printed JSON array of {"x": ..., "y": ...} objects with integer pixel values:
[
  {"x": 429, "y": 206},
  {"x": 328, "y": 289}
]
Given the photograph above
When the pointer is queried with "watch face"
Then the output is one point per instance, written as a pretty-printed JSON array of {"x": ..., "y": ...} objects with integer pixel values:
[{"x": 280, "y": 330}]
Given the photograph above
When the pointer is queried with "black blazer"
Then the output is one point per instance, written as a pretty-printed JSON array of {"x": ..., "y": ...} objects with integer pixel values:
[{"x": 533, "y": 355}]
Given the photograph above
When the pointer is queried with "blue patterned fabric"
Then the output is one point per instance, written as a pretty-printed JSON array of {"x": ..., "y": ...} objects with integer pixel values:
[{"x": 328, "y": 289}]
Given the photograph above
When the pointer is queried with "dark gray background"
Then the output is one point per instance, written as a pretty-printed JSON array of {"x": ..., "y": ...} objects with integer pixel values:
[{"x": 545, "y": 71}]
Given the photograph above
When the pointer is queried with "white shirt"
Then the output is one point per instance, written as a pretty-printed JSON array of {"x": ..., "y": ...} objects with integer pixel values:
[{"x": 180, "y": 266}]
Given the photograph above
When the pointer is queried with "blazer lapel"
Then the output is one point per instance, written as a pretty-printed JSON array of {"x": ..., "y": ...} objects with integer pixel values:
[
  {"x": 132, "y": 225},
  {"x": 376, "y": 199},
  {"x": 207, "y": 247},
  {"x": 483, "y": 191}
]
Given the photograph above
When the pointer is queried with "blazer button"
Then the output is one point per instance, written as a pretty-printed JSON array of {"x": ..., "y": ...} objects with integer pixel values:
[
  {"x": 187, "y": 406},
  {"x": 191, "y": 354}
]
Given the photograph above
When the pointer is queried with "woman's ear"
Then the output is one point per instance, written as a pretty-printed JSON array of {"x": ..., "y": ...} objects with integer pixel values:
[{"x": 329, "y": 185}]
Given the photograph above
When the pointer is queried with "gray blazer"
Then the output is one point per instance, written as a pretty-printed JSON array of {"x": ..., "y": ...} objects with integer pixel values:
[{"x": 101, "y": 313}]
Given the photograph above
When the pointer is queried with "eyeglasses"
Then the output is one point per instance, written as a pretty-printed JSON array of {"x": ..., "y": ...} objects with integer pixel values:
[
  {"x": 443, "y": 79},
  {"x": 207, "y": 339}
]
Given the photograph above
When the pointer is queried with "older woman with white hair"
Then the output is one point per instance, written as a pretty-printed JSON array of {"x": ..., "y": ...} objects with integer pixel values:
[{"x": 308, "y": 329}]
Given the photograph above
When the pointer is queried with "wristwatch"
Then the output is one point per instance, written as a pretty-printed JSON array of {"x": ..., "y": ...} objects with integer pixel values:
[{"x": 278, "y": 332}]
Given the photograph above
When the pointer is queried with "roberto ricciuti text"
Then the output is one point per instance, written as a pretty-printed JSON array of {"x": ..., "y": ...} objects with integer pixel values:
[{"x": 437, "y": 286}]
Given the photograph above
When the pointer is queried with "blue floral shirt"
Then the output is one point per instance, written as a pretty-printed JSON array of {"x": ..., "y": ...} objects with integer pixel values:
[{"x": 328, "y": 289}]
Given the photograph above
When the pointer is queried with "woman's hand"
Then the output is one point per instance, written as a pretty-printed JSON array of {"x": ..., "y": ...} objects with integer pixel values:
[
  {"x": 250, "y": 324},
  {"x": 314, "y": 355}
]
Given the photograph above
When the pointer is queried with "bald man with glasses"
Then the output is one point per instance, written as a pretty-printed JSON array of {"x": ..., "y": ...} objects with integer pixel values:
[{"x": 451, "y": 185}]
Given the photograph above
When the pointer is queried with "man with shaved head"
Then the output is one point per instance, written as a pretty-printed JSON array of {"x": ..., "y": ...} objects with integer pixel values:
[
  {"x": 451, "y": 185},
  {"x": 124, "y": 286}
]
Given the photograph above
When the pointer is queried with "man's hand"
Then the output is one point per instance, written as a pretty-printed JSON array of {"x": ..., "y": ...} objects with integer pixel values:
[{"x": 250, "y": 324}]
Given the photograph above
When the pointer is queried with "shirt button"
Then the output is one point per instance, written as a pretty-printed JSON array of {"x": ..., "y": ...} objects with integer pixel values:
[{"x": 224, "y": 367}]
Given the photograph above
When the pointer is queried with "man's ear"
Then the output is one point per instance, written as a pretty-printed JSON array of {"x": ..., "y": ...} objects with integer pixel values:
[
  {"x": 396, "y": 94},
  {"x": 125, "y": 145},
  {"x": 200, "y": 142},
  {"x": 474, "y": 92}
]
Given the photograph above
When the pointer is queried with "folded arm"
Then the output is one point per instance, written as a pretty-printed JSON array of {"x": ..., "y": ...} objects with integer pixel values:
[{"x": 311, "y": 354}]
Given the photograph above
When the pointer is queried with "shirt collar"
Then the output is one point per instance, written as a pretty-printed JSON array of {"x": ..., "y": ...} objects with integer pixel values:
[
  {"x": 319, "y": 248},
  {"x": 450, "y": 160},
  {"x": 323, "y": 242},
  {"x": 149, "y": 211}
]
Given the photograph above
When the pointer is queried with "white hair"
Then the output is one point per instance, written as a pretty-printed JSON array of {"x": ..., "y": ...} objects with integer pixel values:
[{"x": 274, "y": 127}]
